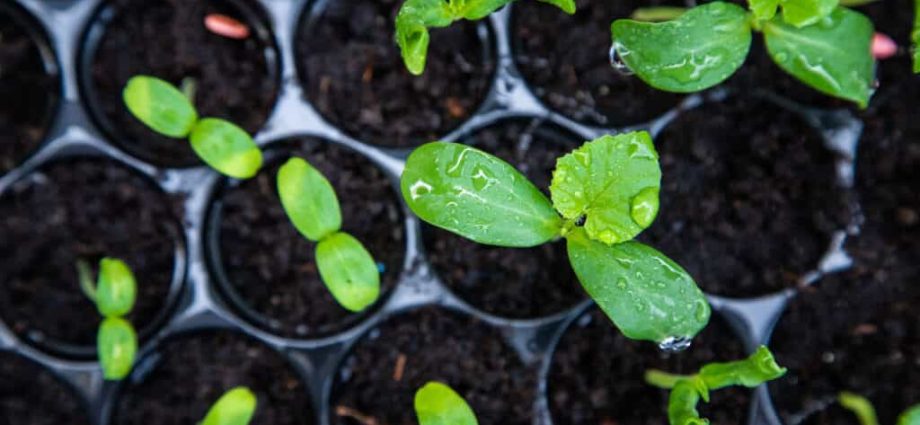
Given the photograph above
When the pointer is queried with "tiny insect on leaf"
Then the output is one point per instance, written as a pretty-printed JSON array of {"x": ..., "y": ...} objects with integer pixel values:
[
  {"x": 438, "y": 404},
  {"x": 117, "y": 288},
  {"x": 348, "y": 271},
  {"x": 160, "y": 106},
  {"x": 236, "y": 407},
  {"x": 116, "y": 343},
  {"x": 226, "y": 148},
  {"x": 308, "y": 199}
]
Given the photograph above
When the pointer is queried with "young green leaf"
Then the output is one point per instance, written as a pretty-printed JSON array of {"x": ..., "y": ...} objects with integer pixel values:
[
  {"x": 478, "y": 196},
  {"x": 682, "y": 402},
  {"x": 648, "y": 296},
  {"x": 763, "y": 9},
  {"x": 235, "y": 407},
  {"x": 613, "y": 183},
  {"x": 117, "y": 346},
  {"x": 226, "y": 148},
  {"x": 308, "y": 199},
  {"x": 657, "y": 13},
  {"x": 438, "y": 404},
  {"x": 915, "y": 37},
  {"x": 760, "y": 367},
  {"x": 801, "y": 13},
  {"x": 910, "y": 417},
  {"x": 860, "y": 406},
  {"x": 833, "y": 56},
  {"x": 160, "y": 105},
  {"x": 116, "y": 290},
  {"x": 348, "y": 270},
  {"x": 698, "y": 50}
]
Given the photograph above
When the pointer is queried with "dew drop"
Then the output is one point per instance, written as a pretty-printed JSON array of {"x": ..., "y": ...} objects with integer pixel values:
[
  {"x": 675, "y": 344},
  {"x": 617, "y": 62},
  {"x": 643, "y": 208}
]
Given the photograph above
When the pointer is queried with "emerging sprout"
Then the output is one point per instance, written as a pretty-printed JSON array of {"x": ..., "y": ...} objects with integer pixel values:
[
  {"x": 438, "y": 404},
  {"x": 417, "y": 16},
  {"x": 603, "y": 195},
  {"x": 235, "y": 407},
  {"x": 114, "y": 295},
  {"x": 865, "y": 412},
  {"x": 687, "y": 390},
  {"x": 346, "y": 267},
  {"x": 166, "y": 110}
]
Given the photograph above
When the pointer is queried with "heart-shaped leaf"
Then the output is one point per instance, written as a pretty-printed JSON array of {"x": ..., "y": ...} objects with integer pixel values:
[
  {"x": 226, "y": 148},
  {"x": 308, "y": 199},
  {"x": 348, "y": 271}
]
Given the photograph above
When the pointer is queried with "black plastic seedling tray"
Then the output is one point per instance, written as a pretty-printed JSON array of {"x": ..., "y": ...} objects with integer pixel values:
[{"x": 199, "y": 297}]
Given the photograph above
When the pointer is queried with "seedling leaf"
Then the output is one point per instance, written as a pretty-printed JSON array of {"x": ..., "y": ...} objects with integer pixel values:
[
  {"x": 763, "y": 9},
  {"x": 116, "y": 290},
  {"x": 760, "y": 367},
  {"x": 348, "y": 270},
  {"x": 226, "y": 148},
  {"x": 683, "y": 400},
  {"x": 860, "y": 406},
  {"x": 910, "y": 417},
  {"x": 478, "y": 196},
  {"x": 613, "y": 183},
  {"x": 698, "y": 50},
  {"x": 645, "y": 294},
  {"x": 438, "y": 404},
  {"x": 235, "y": 407},
  {"x": 832, "y": 56},
  {"x": 160, "y": 106},
  {"x": 308, "y": 199},
  {"x": 801, "y": 13},
  {"x": 915, "y": 37},
  {"x": 117, "y": 346}
]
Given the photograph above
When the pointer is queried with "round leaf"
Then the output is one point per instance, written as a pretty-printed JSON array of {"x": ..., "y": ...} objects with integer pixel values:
[
  {"x": 648, "y": 296},
  {"x": 698, "y": 50},
  {"x": 438, "y": 404},
  {"x": 117, "y": 346},
  {"x": 613, "y": 182},
  {"x": 235, "y": 407},
  {"x": 226, "y": 148},
  {"x": 308, "y": 199},
  {"x": 116, "y": 290},
  {"x": 800, "y": 13},
  {"x": 478, "y": 196},
  {"x": 160, "y": 106},
  {"x": 348, "y": 270}
]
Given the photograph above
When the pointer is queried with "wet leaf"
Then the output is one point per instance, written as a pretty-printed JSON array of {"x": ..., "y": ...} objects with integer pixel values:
[
  {"x": 758, "y": 368},
  {"x": 116, "y": 290},
  {"x": 478, "y": 196},
  {"x": 860, "y": 406},
  {"x": 438, "y": 404},
  {"x": 763, "y": 9},
  {"x": 698, "y": 50},
  {"x": 235, "y": 407},
  {"x": 348, "y": 271},
  {"x": 308, "y": 199},
  {"x": 800, "y": 13},
  {"x": 833, "y": 56},
  {"x": 226, "y": 148},
  {"x": 645, "y": 294},
  {"x": 117, "y": 346},
  {"x": 682, "y": 402},
  {"x": 613, "y": 183},
  {"x": 160, "y": 106},
  {"x": 910, "y": 417}
]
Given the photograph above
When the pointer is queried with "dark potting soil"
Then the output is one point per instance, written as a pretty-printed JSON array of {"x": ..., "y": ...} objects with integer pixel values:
[
  {"x": 749, "y": 198},
  {"x": 31, "y": 395},
  {"x": 432, "y": 345},
  {"x": 566, "y": 60},
  {"x": 190, "y": 373},
  {"x": 597, "y": 375},
  {"x": 355, "y": 76},
  {"x": 167, "y": 39},
  {"x": 895, "y": 75},
  {"x": 271, "y": 266},
  {"x": 81, "y": 209},
  {"x": 27, "y": 93},
  {"x": 511, "y": 282},
  {"x": 855, "y": 332}
]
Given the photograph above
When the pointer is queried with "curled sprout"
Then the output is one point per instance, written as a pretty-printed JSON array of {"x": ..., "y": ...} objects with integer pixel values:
[
  {"x": 235, "y": 407},
  {"x": 438, "y": 404},
  {"x": 114, "y": 294},
  {"x": 865, "y": 411}
]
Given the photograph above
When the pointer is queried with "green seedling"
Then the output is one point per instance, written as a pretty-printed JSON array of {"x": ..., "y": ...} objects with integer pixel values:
[
  {"x": 823, "y": 45},
  {"x": 417, "y": 16},
  {"x": 166, "y": 110},
  {"x": 310, "y": 202},
  {"x": 865, "y": 412},
  {"x": 438, "y": 404},
  {"x": 915, "y": 37},
  {"x": 688, "y": 390},
  {"x": 114, "y": 294},
  {"x": 235, "y": 407},
  {"x": 603, "y": 195}
]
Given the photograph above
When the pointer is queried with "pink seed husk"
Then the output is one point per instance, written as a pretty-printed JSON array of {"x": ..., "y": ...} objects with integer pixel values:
[
  {"x": 226, "y": 26},
  {"x": 883, "y": 47}
]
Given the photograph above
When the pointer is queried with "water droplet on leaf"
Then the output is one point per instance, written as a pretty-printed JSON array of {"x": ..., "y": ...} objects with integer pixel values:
[
  {"x": 674, "y": 344},
  {"x": 643, "y": 208}
]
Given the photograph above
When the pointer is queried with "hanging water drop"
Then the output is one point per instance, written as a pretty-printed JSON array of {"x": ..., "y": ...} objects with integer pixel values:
[
  {"x": 643, "y": 208},
  {"x": 617, "y": 62},
  {"x": 675, "y": 344}
]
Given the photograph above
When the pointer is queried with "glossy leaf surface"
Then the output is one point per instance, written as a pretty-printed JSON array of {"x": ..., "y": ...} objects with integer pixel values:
[
  {"x": 160, "y": 106},
  {"x": 348, "y": 271},
  {"x": 308, "y": 199},
  {"x": 226, "y": 148}
]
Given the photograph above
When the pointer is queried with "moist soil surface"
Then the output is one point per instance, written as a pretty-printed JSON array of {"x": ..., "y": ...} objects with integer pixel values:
[
  {"x": 27, "y": 92},
  {"x": 72, "y": 210},
  {"x": 511, "y": 282},
  {"x": 749, "y": 198},
  {"x": 355, "y": 77},
  {"x": 31, "y": 395},
  {"x": 597, "y": 375},
  {"x": 565, "y": 59},
  {"x": 186, "y": 376},
  {"x": 436, "y": 345},
  {"x": 167, "y": 39},
  {"x": 270, "y": 266}
]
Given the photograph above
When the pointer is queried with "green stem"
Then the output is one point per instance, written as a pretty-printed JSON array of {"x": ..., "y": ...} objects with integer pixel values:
[
  {"x": 658, "y": 14},
  {"x": 662, "y": 379},
  {"x": 860, "y": 406},
  {"x": 85, "y": 275},
  {"x": 189, "y": 87}
]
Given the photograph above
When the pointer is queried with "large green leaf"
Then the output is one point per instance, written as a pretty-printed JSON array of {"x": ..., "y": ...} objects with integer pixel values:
[
  {"x": 116, "y": 343},
  {"x": 698, "y": 50},
  {"x": 478, "y": 196},
  {"x": 438, "y": 404},
  {"x": 116, "y": 290},
  {"x": 613, "y": 183},
  {"x": 235, "y": 407},
  {"x": 226, "y": 148},
  {"x": 648, "y": 296},
  {"x": 800, "y": 13},
  {"x": 308, "y": 199},
  {"x": 832, "y": 56},
  {"x": 348, "y": 271},
  {"x": 758, "y": 368},
  {"x": 160, "y": 105}
]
